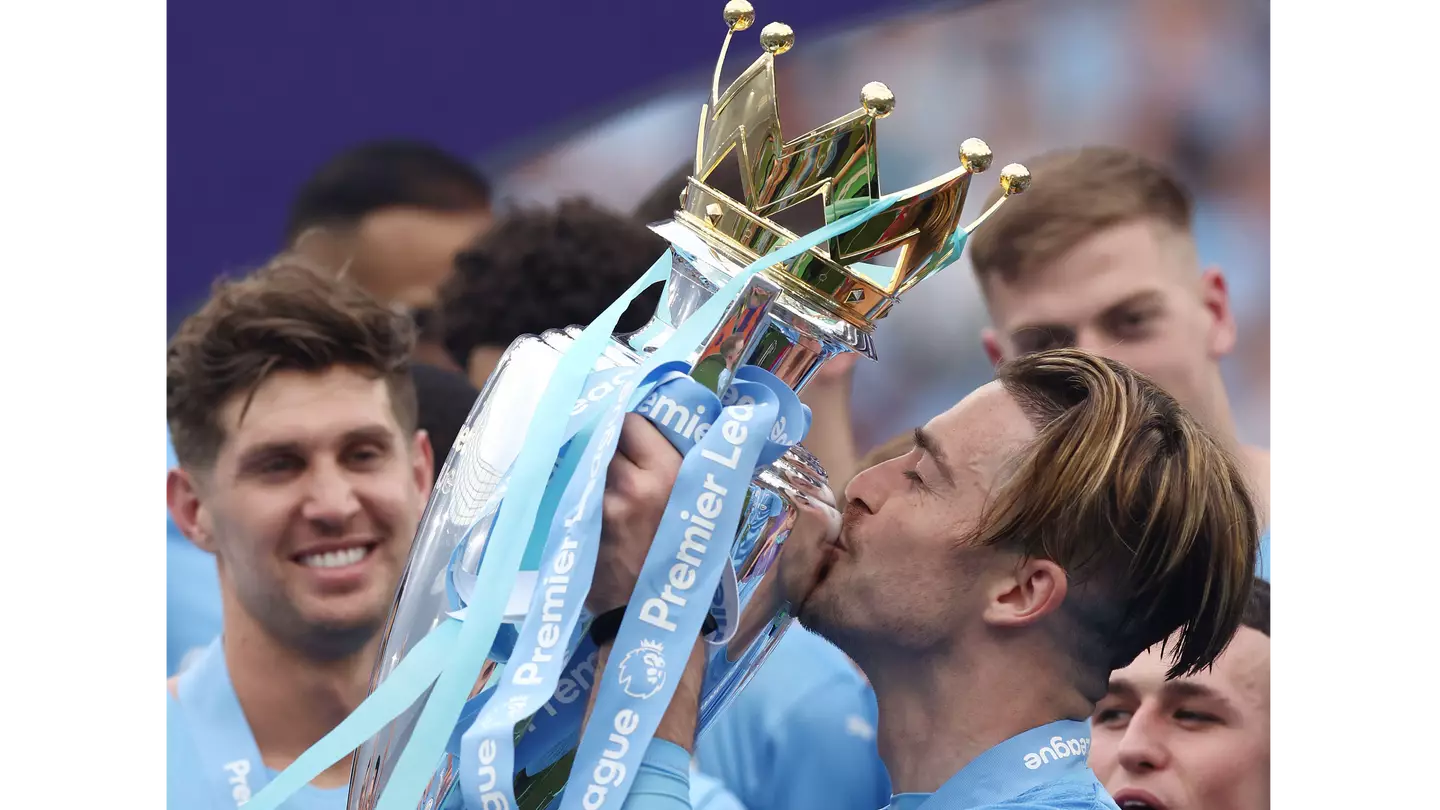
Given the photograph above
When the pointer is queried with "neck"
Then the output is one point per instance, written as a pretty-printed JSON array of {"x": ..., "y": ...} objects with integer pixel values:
[
  {"x": 291, "y": 701},
  {"x": 1254, "y": 461},
  {"x": 937, "y": 714}
]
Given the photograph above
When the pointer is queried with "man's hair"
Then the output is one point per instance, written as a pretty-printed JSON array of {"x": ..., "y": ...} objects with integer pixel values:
[
  {"x": 546, "y": 268},
  {"x": 286, "y": 316},
  {"x": 1257, "y": 609},
  {"x": 1145, "y": 510},
  {"x": 1075, "y": 194},
  {"x": 382, "y": 175}
]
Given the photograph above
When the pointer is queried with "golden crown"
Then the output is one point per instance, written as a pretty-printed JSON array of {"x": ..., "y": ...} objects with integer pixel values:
[{"x": 836, "y": 162}]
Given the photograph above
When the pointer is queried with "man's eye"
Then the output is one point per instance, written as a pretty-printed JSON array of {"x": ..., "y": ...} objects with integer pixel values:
[
  {"x": 915, "y": 477},
  {"x": 1133, "y": 322},
  {"x": 1112, "y": 718},
  {"x": 1194, "y": 718},
  {"x": 278, "y": 465}
]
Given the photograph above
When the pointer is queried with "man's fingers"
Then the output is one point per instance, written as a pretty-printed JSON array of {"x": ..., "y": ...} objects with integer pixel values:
[{"x": 646, "y": 446}]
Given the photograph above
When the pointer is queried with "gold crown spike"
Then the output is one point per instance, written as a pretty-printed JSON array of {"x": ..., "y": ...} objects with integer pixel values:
[
  {"x": 835, "y": 162},
  {"x": 1014, "y": 179}
]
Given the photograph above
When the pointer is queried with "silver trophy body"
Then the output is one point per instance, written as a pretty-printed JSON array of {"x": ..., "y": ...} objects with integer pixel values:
[{"x": 787, "y": 336}]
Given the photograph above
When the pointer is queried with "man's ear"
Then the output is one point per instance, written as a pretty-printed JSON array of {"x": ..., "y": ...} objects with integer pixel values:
[
  {"x": 422, "y": 458},
  {"x": 182, "y": 496},
  {"x": 991, "y": 342},
  {"x": 1035, "y": 589}
]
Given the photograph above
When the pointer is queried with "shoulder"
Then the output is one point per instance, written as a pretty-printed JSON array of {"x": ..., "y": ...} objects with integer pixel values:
[{"x": 1085, "y": 794}]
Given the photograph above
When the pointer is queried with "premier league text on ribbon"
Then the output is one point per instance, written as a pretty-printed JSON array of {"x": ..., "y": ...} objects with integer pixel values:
[
  {"x": 708, "y": 505},
  {"x": 689, "y": 556}
]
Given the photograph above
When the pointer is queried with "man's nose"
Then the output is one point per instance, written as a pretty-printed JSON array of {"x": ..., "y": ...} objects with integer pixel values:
[
  {"x": 1144, "y": 747},
  {"x": 332, "y": 499}
]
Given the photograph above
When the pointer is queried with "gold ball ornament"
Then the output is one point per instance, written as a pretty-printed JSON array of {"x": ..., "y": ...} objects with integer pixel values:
[
  {"x": 739, "y": 15},
  {"x": 1014, "y": 179},
  {"x": 877, "y": 100},
  {"x": 975, "y": 155},
  {"x": 777, "y": 38}
]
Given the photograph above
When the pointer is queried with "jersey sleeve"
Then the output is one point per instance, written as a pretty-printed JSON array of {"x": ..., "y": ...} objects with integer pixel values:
[{"x": 663, "y": 780}]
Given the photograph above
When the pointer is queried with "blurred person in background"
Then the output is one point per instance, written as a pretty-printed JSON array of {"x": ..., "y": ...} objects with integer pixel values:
[
  {"x": 394, "y": 214},
  {"x": 540, "y": 269},
  {"x": 293, "y": 414},
  {"x": 1201, "y": 742},
  {"x": 1098, "y": 254},
  {"x": 801, "y": 735}
]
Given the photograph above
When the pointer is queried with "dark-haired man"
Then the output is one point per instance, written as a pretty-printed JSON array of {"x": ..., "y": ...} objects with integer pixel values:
[
  {"x": 1201, "y": 742},
  {"x": 293, "y": 416},
  {"x": 1041, "y": 534},
  {"x": 543, "y": 268},
  {"x": 395, "y": 212}
]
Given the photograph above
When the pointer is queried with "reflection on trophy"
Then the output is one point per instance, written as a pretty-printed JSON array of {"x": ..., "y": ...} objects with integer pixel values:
[{"x": 789, "y": 319}]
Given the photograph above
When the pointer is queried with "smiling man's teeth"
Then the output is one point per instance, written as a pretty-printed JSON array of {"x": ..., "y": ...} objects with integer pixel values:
[{"x": 335, "y": 559}]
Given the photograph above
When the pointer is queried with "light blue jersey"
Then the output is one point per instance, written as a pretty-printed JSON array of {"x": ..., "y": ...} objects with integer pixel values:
[
  {"x": 192, "y": 591},
  {"x": 1041, "y": 769},
  {"x": 801, "y": 734},
  {"x": 1264, "y": 565},
  {"x": 213, "y": 763}
]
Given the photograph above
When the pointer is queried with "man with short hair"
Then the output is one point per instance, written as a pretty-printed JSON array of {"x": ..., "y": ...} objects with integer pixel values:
[
  {"x": 293, "y": 415},
  {"x": 1201, "y": 742},
  {"x": 1042, "y": 534},
  {"x": 1099, "y": 254}
]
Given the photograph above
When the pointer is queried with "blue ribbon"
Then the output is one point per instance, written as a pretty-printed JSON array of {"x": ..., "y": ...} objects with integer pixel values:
[
  {"x": 566, "y": 568},
  {"x": 672, "y": 596},
  {"x": 683, "y": 410}
]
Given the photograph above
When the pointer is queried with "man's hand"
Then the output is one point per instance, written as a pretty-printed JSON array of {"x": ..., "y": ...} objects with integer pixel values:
[
  {"x": 642, "y": 473},
  {"x": 810, "y": 546}
]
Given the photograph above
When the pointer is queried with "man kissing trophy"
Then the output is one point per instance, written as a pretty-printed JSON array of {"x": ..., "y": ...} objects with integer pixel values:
[{"x": 490, "y": 624}]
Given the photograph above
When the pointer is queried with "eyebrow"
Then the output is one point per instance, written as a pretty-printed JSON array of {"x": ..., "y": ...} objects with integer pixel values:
[
  {"x": 370, "y": 433},
  {"x": 927, "y": 444},
  {"x": 1145, "y": 297},
  {"x": 1171, "y": 689}
]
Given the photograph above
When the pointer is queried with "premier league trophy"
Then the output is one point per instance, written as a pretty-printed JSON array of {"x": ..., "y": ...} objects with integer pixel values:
[{"x": 750, "y": 306}]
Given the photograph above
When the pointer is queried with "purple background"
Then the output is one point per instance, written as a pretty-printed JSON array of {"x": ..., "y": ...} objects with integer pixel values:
[{"x": 262, "y": 92}]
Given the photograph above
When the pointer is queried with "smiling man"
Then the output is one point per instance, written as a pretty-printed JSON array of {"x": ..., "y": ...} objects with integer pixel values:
[
  {"x": 292, "y": 409},
  {"x": 1196, "y": 743}
]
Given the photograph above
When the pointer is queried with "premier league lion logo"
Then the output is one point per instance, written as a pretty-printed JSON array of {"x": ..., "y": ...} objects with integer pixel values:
[{"x": 642, "y": 671}]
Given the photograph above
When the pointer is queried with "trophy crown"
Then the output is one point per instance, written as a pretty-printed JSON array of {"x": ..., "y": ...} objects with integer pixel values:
[{"x": 836, "y": 163}]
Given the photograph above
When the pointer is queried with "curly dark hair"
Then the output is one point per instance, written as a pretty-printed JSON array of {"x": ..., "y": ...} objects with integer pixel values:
[
  {"x": 546, "y": 268},
  {"x": 285, "y": 316}
]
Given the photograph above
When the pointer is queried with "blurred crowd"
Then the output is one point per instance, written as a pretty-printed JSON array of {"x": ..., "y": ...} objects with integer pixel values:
[
  {"x": 471, "y": 260},
  {"x": 1181, "y": 81}
]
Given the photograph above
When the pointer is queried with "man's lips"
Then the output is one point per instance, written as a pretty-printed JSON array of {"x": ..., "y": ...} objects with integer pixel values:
[
  {"x": 1137, "y": 799},
  {"x": 337, "y": 553}
]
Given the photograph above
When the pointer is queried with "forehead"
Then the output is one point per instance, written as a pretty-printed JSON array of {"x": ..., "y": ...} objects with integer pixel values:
[
  {"x": 1101, "y": 271},
  {"x": 982, "y": 432},
  {"x": 1241, "y": 673},
  {"x": 409, "y": 227},
  {"x": 304, "y": 407}
]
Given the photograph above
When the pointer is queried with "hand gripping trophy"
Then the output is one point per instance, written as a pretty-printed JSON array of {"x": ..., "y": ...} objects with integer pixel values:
[{"x": 486, "y": 667}]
